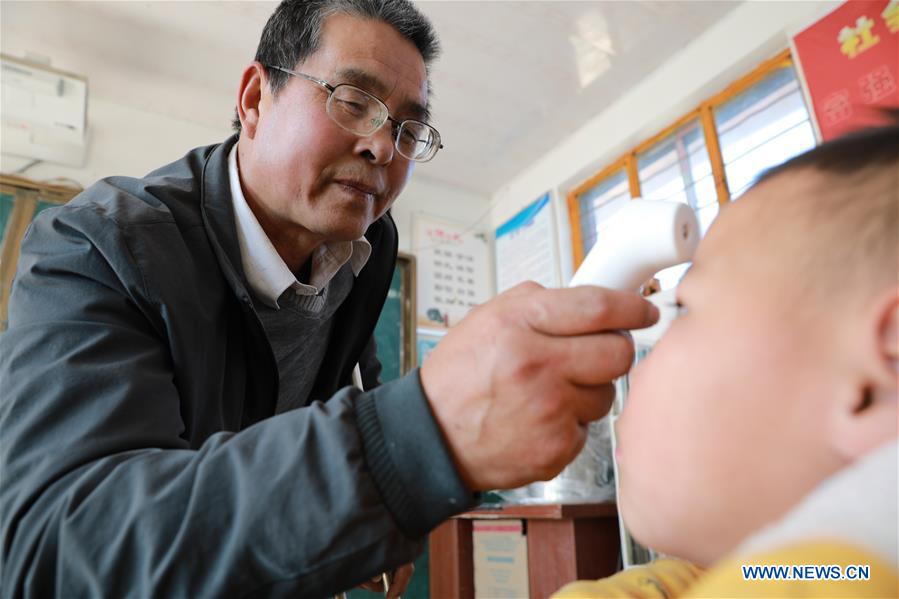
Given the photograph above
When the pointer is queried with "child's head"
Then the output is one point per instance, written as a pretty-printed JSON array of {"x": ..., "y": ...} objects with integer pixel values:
[{"x": 782, "y": 368}]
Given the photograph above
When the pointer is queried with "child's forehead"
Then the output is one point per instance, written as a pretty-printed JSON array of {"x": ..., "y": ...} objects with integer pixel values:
[
  {"x": 734, "y": 233},
  {"x": 752, "y": 232}
]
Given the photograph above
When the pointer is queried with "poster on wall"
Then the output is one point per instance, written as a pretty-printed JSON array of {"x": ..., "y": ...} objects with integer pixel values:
[
  {"x": 453, "y": 270},
  {"x": 526, "y": 247},
  {"x": 850, "y": 62}
]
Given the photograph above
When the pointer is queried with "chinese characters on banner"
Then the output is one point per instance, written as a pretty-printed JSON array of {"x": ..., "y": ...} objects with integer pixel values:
[
  {"x": 850, "y": 59},
  {"x": 453, "y": 273}
]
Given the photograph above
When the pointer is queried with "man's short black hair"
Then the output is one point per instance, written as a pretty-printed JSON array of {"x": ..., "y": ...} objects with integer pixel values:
[{"x": 293, "y": 32}]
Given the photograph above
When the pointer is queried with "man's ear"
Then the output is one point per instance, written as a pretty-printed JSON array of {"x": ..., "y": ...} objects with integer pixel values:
[
  {"x": 249, "y": 98},
  {"x": 871, "y": 418}
]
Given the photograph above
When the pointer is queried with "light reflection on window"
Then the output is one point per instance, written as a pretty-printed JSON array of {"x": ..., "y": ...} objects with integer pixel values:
[{"x": 762, "y": 127}]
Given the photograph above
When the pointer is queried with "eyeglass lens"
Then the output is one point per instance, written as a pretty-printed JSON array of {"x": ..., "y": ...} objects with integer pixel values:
[{"x": 361, "y": 113}]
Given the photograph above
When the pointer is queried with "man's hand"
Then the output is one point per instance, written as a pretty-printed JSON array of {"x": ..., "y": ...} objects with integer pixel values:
[
  {"x": 515, "y": 384},
  {"x": 399, "y": 580}
]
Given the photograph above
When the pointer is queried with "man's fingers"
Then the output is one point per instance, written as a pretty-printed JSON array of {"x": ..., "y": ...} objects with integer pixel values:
[
  {"x": 591, "y": 360},
  {"x": 585, "y": 309},
  {"x": 375, "y": 585},
  {"x": 592, "y": 403},
  {"x": 400, "y": 580},
  {"x": 523, "y": 288}
]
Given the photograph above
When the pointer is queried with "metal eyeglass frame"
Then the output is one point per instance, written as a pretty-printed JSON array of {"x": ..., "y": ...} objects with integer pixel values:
[{"x": 389, "y": 118}]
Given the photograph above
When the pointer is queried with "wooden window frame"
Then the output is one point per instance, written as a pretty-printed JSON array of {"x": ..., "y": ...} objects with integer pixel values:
[{"x": 704, "y": 114}]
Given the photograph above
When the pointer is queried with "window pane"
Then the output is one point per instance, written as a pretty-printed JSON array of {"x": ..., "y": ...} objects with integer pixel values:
[
  {"x": 678, "y": 169},
  {"x": 761, "y": 127},
  {"x": 598, "y": 203},
  {"x": 706, "y": 215}
]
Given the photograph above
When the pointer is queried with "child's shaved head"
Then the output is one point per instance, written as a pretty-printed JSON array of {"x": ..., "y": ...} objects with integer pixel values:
[
  {"x": 844, "y": 215},
  {"x": 781, "y": 368}
]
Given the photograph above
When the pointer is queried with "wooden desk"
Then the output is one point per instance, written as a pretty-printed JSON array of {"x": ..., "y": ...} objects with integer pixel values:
[{"x": 565, "y": 543}]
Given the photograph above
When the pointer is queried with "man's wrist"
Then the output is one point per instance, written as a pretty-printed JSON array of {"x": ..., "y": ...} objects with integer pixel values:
[{"x": 408, "y": 456}]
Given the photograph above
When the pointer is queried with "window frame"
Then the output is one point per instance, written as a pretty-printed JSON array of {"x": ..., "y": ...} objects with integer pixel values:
[{"x": 705, "y": 115}]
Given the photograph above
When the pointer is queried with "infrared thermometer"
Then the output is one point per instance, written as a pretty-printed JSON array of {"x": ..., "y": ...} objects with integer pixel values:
[
  {"x": 636, "y": 242},
  {"x": 642, "y": 238}
]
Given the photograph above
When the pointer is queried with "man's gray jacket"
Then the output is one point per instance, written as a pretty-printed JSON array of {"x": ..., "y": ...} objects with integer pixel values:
[{"x": 139, "y": 454}]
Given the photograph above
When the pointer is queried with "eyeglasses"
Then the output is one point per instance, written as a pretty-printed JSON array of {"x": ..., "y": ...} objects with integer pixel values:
[{"x": 361, "y": 113}]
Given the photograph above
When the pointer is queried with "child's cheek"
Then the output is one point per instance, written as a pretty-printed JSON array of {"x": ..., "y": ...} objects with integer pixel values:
[{"x": 656, "y": 384}]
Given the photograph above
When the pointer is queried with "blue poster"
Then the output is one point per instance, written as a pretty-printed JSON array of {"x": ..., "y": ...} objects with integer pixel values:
[{"x": 526, "y": 247}]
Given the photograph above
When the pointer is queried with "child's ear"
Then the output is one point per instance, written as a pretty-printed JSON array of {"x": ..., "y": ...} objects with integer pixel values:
[{"x": 872, "y": 417}]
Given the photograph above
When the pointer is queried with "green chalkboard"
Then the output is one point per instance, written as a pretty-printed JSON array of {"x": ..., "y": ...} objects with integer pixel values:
[
  {"x": 389, "y": 330},
  {"x": 42, "y": 205},
  {"x": 20, "y": 201},
  {"x": 395, "y": 336},
  {"x": 395, "y": 331},
  {"x": 6, "y": 204}
]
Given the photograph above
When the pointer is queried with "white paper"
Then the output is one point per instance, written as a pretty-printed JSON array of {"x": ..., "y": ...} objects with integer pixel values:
[
  {"x": 526, "y": 247},
  {"x": 453, "y": 270}
]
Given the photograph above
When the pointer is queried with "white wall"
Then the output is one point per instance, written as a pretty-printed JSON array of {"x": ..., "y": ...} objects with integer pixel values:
[
  {"x": 123, "y": 140},
  {"x": 748, "y": 35},
  {"x": 423, "y": 195},
  {"x": 128, "y": 141},
  {"x": 131, "y": 142}
]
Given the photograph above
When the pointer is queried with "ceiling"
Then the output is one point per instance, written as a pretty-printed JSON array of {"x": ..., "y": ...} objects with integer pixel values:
[{"x": 515, "y": 78}]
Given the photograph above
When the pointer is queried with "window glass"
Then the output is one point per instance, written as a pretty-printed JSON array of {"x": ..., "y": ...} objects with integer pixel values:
[
  {"x": 678, "y": 169},
  {"x": 598, "y": 203},
  {"x": 761, "y": 127}
]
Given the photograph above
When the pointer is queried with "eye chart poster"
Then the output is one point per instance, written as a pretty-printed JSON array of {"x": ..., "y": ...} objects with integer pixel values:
[
  {"x": 526, "y": 247},
  {"x": 453, "y": 273}
]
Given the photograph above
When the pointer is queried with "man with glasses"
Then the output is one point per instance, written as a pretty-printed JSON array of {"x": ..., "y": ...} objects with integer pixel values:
[
  {"x": 178, "y": 413},
  {"x": 359, "y": 112}
]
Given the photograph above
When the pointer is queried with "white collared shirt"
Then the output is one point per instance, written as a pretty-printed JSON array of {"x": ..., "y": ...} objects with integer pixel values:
[{"x": 267, "y": 274}]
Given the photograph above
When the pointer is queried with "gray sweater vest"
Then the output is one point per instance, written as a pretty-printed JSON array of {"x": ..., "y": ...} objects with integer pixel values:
[{"x": 299, "y": 333}]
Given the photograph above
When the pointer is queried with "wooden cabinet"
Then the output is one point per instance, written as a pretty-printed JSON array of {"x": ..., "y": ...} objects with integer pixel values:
[{"x": 565, "y": 543}]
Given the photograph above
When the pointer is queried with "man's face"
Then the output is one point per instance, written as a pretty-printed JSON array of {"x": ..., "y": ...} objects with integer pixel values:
[
  {"x": 720, "y": 431},
  {"x": 309, "y": 175}
]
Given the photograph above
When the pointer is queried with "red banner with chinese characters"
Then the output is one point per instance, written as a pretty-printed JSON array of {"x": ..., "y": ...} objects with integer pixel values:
[{"x": 850, "y": 59}]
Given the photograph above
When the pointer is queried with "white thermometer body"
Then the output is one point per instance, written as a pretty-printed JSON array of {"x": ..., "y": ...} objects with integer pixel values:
[{"x": 642, "y": 238}]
